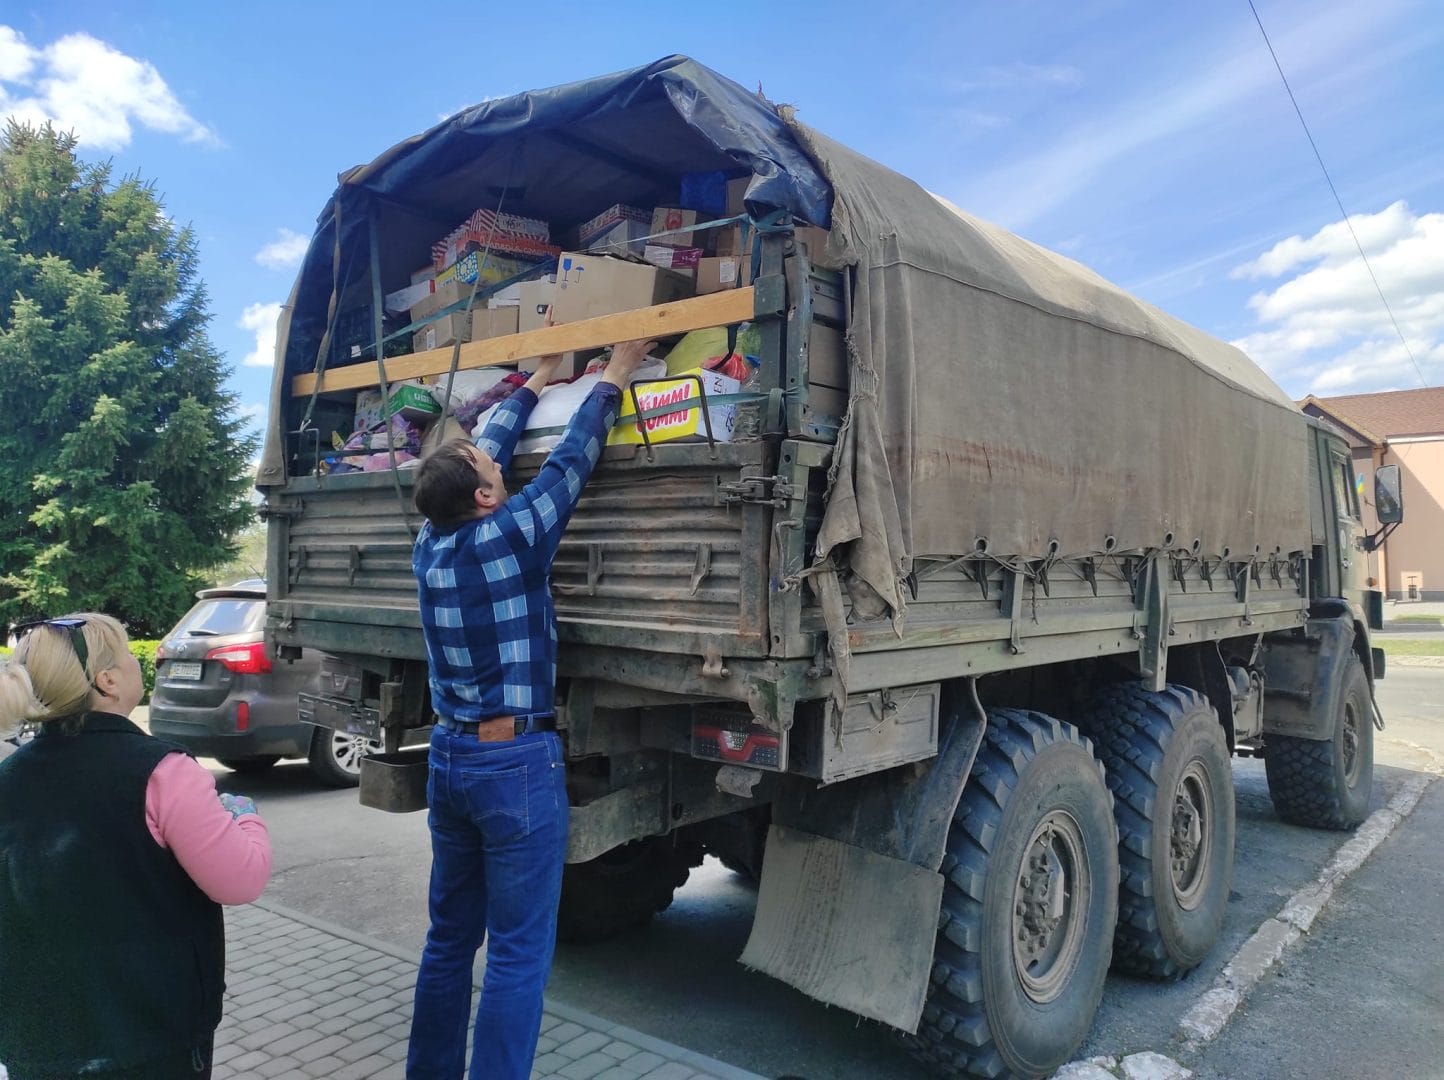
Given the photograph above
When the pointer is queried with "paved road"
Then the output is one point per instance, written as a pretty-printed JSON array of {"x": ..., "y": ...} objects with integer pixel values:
[
  {"x": 1363, "y": 995},
  {"x": 678, "y": 978}
]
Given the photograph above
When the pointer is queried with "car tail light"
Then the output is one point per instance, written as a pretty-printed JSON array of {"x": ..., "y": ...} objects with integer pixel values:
[
  {"x": 243, "y": 715},
  {"x": 160, "y": 653},
  {"x": 243, "y": 659}
]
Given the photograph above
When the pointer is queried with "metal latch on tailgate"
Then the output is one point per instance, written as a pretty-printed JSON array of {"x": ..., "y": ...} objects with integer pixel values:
[{"x": 763, "y": 490}]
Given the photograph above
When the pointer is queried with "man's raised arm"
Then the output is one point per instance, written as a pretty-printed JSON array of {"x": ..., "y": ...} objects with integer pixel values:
[
  {"x": 508, "y": 421},
  {"x": 558, "y": 486}
]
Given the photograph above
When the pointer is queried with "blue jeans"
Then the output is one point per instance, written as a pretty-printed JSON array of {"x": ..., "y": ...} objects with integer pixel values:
[{"x": 498, "y": 840}]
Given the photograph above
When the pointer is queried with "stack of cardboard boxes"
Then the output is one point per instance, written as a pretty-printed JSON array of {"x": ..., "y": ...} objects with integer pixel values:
[{"x": 624, "y": 257}]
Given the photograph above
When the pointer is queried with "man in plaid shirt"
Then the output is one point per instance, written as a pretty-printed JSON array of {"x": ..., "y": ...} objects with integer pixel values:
[{"x": 496, "y": 786}]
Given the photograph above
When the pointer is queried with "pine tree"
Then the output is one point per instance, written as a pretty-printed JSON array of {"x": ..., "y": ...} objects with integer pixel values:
[{"x": 124, "y": 468}]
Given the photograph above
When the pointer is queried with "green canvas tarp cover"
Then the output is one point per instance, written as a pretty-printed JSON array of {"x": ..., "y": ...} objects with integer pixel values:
[
  {"x": 999, "y": 392},
  {"x": 1005, "y": 395}
]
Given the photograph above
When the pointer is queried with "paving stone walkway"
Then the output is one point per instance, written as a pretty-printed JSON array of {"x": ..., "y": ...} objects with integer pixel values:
[{"x": 307, "y": 999}]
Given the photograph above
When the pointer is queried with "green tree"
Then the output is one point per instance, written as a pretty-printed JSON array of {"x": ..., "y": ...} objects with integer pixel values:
[
  {"x": 249, "y": 560},
  {"x": 125, "y": 465}
]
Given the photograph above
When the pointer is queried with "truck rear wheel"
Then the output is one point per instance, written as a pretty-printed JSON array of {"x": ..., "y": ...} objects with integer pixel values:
[
  {"x": 1167, "y": 764},
  {"x": 1029, "y": 901},
  {"x": 1326, "y": 784},
  {"x": 622, "y": 888}
]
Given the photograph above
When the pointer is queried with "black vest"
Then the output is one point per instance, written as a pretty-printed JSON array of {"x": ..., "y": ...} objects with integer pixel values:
[{"x": 110, "y": 955}]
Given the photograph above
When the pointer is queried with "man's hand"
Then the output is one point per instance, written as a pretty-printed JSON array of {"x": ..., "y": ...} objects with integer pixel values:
[
  {"x": 545, "y": 368},
  {"x": 626, "y": 358}
]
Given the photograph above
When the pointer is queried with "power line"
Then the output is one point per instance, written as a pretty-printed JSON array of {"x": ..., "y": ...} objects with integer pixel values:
[{"x": 1349, "y": 224}]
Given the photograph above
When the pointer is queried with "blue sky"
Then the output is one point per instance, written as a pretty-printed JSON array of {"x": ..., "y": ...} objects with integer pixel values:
[{"x": 1153, "y": 142}]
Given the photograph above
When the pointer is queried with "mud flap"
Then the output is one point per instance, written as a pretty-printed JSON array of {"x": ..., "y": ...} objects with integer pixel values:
[{"x": 846, "y": 926}]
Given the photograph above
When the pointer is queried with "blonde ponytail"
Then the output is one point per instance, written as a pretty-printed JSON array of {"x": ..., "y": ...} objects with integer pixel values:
[
  {"x": 18, "y": 702},
  {"x": 44, "y": 679}
]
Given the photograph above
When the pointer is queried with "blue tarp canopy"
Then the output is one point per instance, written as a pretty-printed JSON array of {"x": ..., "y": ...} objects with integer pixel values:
[{"x": 562, "y": 155}]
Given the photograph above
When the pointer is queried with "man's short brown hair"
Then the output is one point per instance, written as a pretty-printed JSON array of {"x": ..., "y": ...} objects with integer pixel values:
[{"x": 446, "y": 483}]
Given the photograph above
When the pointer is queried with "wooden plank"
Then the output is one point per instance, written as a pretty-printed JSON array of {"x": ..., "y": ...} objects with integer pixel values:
[{"x": 664, "y": 320}]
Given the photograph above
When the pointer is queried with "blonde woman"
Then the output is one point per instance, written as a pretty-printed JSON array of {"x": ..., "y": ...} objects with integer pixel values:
[{"x": 116, "y": 855}]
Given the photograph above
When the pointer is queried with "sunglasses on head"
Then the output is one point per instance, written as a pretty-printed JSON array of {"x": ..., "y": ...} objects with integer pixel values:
[{"x": 77, "y": 639}]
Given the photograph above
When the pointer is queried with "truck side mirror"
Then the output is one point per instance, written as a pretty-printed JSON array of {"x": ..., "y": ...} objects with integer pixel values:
[{"x": 1388, "y": 495}]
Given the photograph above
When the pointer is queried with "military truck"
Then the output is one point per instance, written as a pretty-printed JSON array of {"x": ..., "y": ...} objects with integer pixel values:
[{"x": 950, "y": 652}]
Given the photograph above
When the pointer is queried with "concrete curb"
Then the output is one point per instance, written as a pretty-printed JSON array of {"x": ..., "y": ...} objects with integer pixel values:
[
  {"x": 1212, "y": 1012},
  {"x": 670, "y": 1051},
  {"x": 1415, "y": 661}
]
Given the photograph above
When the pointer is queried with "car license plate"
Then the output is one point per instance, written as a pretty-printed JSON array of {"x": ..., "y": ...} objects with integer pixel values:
[{"x": 184, "y": 669}]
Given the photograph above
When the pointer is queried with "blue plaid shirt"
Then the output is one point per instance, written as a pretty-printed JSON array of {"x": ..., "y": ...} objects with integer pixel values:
[{"x": 485, "y": 585}]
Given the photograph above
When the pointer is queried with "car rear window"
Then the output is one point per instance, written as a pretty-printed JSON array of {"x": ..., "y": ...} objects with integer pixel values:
[{"x": 227, "y": 616}]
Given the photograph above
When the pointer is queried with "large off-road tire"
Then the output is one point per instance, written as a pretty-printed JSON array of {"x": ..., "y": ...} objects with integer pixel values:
[
  {"x": 1167, "y": 763},
  {"x": 1029, "y": 901},
  {"x": 1326, "y": 784},
  {"x": 623, "y": 888}
]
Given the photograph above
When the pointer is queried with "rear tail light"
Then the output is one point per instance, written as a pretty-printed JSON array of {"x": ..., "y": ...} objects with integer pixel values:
[
  {"x": 243, "y": 659},
  {"x": 243, "y": 715},
  {"x": 160, "y": 653}
]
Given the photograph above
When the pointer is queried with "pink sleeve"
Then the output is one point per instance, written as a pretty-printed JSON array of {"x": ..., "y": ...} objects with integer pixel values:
[{"x": 229, "y": 858}]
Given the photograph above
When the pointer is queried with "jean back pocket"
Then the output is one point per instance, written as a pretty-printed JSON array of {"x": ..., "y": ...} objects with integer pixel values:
[{"x": 497, "y": 801}]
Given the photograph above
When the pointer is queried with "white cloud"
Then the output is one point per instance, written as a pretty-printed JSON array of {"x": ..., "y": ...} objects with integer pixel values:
[
  {"x": 1010, "y": 76},
  {"x": 84, "y": 85},
  {"x": 283, "y": 252},
  {"x": 17, "y": 58},
  {"x": 260, "y": 319},
  {"x": 1325, "y": 330},
  {"x": 977, "y": 118},
  {"x": 1333, "y": 244},
  {"x": 1200, "y": 88}
]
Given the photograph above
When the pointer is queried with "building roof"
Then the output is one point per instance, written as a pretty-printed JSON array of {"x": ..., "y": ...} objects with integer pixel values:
[{"x": 1390, "y": 415}]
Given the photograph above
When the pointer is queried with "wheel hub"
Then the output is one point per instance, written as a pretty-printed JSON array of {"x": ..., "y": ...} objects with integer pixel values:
[
  {"x": 1351, "y": 744},
  {"x": 1190, "y": 835},
  {"x": 1049, "y": 907},
  {"x": 349, "y": 749}
]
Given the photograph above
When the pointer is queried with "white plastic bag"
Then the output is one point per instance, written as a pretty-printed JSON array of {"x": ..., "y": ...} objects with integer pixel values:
[
  {"x": 558, "y": 404},
  {"x": 466, "y": 386}
]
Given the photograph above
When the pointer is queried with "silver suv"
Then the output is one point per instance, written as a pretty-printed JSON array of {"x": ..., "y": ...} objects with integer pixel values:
[{"x": 219, "y": 694}]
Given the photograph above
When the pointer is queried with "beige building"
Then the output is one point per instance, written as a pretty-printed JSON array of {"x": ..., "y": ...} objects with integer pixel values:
[{"x": 1404, "y": 428}]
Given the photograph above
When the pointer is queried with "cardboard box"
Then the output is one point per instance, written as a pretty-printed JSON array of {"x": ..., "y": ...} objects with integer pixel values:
[
  {"x": 621, "y": 239},
  {"x": 723, "y": 272},
  {"x": 532, "y": 300},
  {"x": 508, "y": 297},
  {"x": 409, "y": 398},
  {"x": 480, "y": 324},
  {"x": 498, "y": 268},
  {"x": 507, "y": 233},
  {"x": 445, "y": 331},
  {"x": 736, "y": 189},
  {"x": 414, "y": 402},
  {"x": 494, "y": 322},
  {"x": 672, "y": 258},
  {"x": 368, "y": 410},
  {"x": 732, "y": 240},
  {"x": 404, "y": 299},
  {"x": 678, "y": 222},
  {"x": 589, "y": 233},
  {"x": 592, "y": 285},
  {"x": 687, "y": 421}
]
